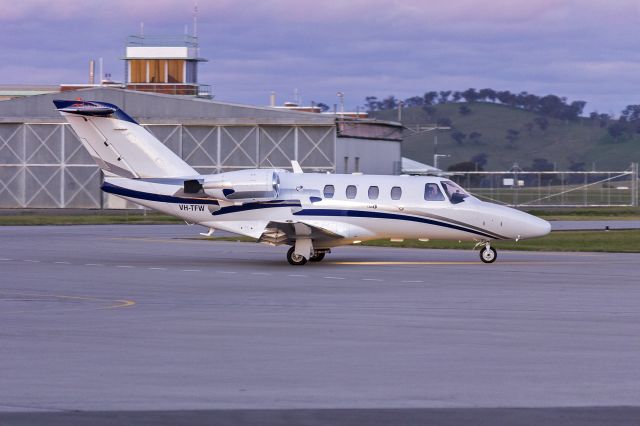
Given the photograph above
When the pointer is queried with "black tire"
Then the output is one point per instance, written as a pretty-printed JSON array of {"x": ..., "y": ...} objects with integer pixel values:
[
  {"x": 488, "y": 255},
  {"x": 317, "y": 257},
  {"x": 295, "y": 259}
]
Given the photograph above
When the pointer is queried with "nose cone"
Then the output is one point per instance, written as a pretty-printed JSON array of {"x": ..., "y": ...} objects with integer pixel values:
[
  {"x": 535, "y": 227},
  {"x": 516, "y": 224}
]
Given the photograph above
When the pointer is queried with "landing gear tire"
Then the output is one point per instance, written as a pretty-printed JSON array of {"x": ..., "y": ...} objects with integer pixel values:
[
  {"x": 317, "y": 257},
  {"x": 488, "y": 254},
  {"x": 295, "y": 259}
]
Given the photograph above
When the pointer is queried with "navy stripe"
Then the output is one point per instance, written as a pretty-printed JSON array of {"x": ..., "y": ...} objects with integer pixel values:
[
  {"x": 381, "y": 215},
  {"x": 76, "y": 107},
  {"x": 255, "y": 206},
  {"x": 125, "y": 192}
]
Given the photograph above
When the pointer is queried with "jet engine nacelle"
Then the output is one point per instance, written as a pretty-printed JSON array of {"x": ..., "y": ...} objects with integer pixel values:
[{"x": 249, "y": 185}]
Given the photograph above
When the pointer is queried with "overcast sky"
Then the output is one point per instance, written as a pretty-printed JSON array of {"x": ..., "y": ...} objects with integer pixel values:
[{"x": 584, "y": 50}]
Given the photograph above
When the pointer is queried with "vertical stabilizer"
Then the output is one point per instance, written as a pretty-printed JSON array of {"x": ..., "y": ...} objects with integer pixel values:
[{"x": 118, "y": 144}]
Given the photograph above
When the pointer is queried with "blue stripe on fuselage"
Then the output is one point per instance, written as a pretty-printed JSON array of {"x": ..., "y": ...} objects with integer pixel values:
[
  {"x": 258, "y": 205},
  {"x": 382, "y": 215},
  {"x": 131, "y": 193}
]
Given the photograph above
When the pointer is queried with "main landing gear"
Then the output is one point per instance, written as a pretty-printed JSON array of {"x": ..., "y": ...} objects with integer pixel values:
[
  {"x": 317, "y": 256},
  {"x": 488, "y": 254},
  {"x": 295, "y": 259},
  {"x": 298, "y": 259}
]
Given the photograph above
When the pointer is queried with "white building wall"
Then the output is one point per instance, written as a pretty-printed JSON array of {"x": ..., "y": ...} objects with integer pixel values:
[{"x": 371, "y": 156}]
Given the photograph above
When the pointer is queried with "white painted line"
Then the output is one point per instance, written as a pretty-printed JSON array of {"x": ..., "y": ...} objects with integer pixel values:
[
  {"x": 297, "y": 276},
  {"x": 124, "y": 266},
  {"x": 333, "y": 278},
  {"x": 409, "y": 281},
  {"x": 371, "y": 279},
  {"x": 92, "y": 264},
  {"x": 5, "y": 259},
  {"x": 226, "y": 272},
  {"x": 191, "y": 270},
  {"x": 63, "y": 263},
  {"x": 31, "y": 261},
  {"x": 158, "y": 269},
  {"x": 260, "y": 273}
]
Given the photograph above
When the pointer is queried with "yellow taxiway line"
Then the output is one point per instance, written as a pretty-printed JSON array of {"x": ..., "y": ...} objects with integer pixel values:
[
  {"x": 400, "y": 263},
  {"x": 121, "y": 303}
]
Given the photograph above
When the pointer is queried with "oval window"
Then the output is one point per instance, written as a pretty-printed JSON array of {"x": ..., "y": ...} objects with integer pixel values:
[
  {"x": 329, "y": 190},
  {"x": 374, "y": 192},
  {"x": 396, "y": 193},
  {"x": 351, "y": 192}
]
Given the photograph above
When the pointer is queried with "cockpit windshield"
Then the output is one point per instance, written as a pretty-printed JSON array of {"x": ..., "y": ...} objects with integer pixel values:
[{"x": 451, "y": 188}]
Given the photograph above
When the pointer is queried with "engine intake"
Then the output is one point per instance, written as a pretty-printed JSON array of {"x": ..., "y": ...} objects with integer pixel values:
[{"x": 192, "y": 186}]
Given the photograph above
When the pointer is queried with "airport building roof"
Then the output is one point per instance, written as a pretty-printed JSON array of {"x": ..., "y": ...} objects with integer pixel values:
[{"x": 157, "y": 108}]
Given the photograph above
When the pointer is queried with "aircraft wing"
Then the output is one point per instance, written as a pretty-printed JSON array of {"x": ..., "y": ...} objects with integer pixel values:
[{"x": 278, "y": 233}]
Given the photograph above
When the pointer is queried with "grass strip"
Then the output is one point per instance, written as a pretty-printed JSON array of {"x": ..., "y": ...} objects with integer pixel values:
[
  {"x": 86, "y": 219},
  {"x": 604, "y": 213},
  {"x": 622, "y": 241}
]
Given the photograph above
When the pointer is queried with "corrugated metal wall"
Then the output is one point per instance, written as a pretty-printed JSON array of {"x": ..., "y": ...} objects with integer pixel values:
[{"x": 43, "y": 165}]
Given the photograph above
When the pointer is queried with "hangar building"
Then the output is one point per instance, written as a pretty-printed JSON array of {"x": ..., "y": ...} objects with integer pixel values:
[{"x": 43, "y": 165}]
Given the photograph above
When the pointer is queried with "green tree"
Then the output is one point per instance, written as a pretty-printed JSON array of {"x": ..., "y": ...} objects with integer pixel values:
[
  {"x": 371, "y": 103},
  {"x": 464, "y": 110},
  {"x": 480, "y": 159},
  {"x": 512, "y": 136},
  {"x": 470, "y": 95},
  {"x": 542, "y": 122},
  {"x": 444, "y": 96},
  {"x": 475, "y": 137},
  {"x": 430, "y": 98},
  {"x": 459, "y": 137}
]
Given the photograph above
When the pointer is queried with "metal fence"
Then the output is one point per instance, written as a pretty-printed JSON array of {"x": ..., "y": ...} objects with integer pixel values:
[{"x": 554, "y": 188}]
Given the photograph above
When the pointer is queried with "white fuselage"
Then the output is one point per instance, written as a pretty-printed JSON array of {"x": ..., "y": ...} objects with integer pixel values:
[{"x": 353, "y": 207}]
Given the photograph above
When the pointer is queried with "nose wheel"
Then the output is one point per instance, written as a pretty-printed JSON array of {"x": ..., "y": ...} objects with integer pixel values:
[{"x": 488, "y": 254}]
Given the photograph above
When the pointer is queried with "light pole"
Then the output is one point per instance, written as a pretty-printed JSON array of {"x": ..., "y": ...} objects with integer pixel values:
[
  {"x": 424, "y": 129},
  {"x": 341, "y": 97}
]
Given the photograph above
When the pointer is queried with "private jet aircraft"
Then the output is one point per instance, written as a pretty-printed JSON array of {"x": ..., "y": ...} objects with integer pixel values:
[{"x": 311, "y": 212}]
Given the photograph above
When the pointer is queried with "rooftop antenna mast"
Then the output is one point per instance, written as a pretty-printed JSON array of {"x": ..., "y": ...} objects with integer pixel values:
[
  {"x": 195, "y": 20},
  {"x": 195, "y": 27}
]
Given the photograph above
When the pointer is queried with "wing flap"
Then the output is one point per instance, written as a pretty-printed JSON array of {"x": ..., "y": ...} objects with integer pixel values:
[{"x": 277, "y": 233}]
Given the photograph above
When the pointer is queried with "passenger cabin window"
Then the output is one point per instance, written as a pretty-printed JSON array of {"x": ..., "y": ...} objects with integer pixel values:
[
  {"x": 396, "y": 193},
  {"x": 351, "y": 192},
  {"x": 329, "y": 190},
  {"x": 432, "y": 192},
  {"x": 374, "y": 192}
]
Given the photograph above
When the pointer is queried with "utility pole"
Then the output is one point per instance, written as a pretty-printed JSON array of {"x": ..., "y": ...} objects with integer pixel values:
[{"x": 424, "y": 129}]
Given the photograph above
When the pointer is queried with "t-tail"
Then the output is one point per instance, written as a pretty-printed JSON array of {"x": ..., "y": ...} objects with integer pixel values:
[{"x": 120, "y": 145}]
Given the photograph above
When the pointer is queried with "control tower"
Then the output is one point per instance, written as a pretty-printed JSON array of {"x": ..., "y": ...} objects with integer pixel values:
[{"x": 164, "y": 64}]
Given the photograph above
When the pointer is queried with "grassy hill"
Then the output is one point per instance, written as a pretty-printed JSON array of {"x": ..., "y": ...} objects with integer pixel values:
[{"x": 562, "y": 142}]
